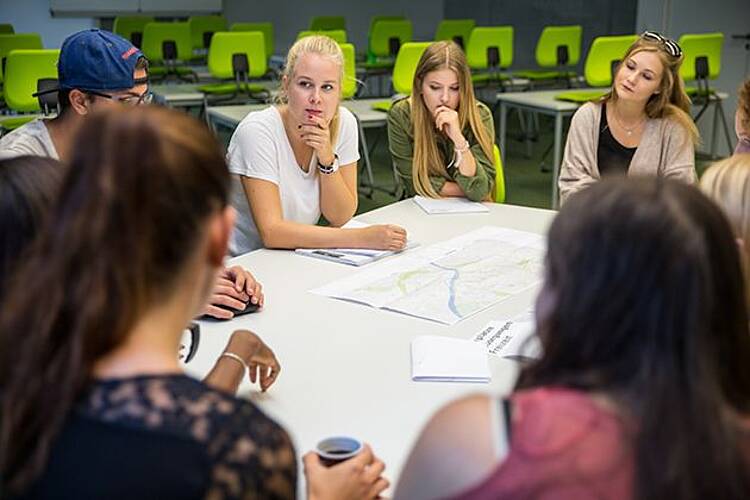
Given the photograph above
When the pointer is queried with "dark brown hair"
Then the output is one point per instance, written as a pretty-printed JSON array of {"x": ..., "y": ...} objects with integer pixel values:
[
  {"x": 131, "y": 210},
  {"x": 28, "y": 186},
  {"x": 649, "y": 309}
]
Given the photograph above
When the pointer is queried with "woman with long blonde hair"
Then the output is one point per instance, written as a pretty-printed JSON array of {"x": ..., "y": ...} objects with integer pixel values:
[
  {"x": 641, "y": 127},
  {"x": 296, "y": 161},
  {"x": 727, "y": 183},
  {"x": 441, "y": 138}
]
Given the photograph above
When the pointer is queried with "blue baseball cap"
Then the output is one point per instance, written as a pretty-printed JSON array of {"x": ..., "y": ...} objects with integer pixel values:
[{"x": 94, "y": 59}]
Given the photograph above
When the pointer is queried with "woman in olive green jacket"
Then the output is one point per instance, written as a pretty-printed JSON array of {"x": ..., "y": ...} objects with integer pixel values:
[{"x": 441, "y": 138}]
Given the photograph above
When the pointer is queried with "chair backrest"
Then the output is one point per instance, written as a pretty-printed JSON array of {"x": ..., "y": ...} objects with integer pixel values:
[
  {"x": 406, "y": 65},
  {"x": 228, "y": 46},
  {"x": 499, "y": 194},
  {"x": 156, "y": 34},
  {"x": 604, "y": 52},
  {"x": 265, "y": 28},
  {"x": 327, "y": 23},
  {"x": 490, "y": 47},
  {"x": 458, "y": 30},
  {"x": 338, "y": 35},
  {"x": 6, "y": 29},
  {"x": 558, "y": 43},
  {"x": 388, "y": 33},
  {"x": 349, "y": 85},
  {"x": 203, "y": 27},
  {"x": 696, "y": 46},
  {"x": 25, "y": 67},
  {"x": 131, "y": 28},
  {"x": 16, "y": 41}
]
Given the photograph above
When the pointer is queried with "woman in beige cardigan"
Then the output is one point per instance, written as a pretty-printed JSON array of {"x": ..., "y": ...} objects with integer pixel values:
[{"x": 641, "y": 127}]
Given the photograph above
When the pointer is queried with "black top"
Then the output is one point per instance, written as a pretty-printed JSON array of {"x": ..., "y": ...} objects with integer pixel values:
[
  {"x": 611, "y": 156},
  {"x": 167, "y": 436}
]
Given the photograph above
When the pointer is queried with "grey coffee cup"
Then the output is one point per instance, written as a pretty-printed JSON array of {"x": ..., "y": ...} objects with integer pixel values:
[{"x": 336, "y": 449}]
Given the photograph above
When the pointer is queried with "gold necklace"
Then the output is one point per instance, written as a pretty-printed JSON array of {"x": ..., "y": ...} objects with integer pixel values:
[{"x": 628, "y": 130}]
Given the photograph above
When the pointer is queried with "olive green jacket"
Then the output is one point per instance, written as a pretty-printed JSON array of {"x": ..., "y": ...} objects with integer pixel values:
[{"x": 401, "y": 144}]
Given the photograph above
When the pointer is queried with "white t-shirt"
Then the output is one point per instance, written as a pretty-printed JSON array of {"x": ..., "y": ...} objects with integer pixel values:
[
  {"x": 260, "y": 149},
  {"x": 31, "y": 139}
]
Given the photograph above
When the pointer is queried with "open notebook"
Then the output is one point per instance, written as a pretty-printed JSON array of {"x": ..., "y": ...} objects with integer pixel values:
[{"x": 445, "y": 359}]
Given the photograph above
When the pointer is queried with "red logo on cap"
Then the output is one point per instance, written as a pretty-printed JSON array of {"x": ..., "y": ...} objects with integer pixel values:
[{"x": 129, "y": 52}]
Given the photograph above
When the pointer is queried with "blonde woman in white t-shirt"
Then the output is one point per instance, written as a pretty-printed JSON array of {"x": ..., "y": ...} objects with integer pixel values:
[{"x": 297, "y": 161}]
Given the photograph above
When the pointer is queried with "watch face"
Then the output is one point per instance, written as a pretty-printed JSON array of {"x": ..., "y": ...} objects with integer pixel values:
[{"x": 191, "y": 337}]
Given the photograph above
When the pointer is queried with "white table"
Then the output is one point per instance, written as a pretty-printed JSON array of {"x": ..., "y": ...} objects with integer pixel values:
[
  {"x": 544, "y": 102},
  {"x": 366, "y": 116},
  {"x": 187, "y": 95},
  {"x": 346, "y": 368}
]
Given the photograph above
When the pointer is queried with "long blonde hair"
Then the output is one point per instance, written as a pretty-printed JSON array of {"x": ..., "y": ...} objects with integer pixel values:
[
  {"x": 427, "y": 160},
  {"x": 316, "y": 44},
  {"x": 728, "y": 184},
  {"x": 671, "y": 101}
]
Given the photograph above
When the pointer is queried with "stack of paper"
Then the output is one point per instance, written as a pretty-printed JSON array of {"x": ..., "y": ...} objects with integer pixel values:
[
  {"x": 350, "y": 256},
  {"x": 451, "y": 205},
  {"x": 445, "y": 359}
]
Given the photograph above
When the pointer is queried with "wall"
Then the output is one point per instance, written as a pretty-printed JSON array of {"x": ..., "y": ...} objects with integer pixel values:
[
  {"x": 528, "y": 18},
  {"x": 34, "y": 16},
  {"x": 676, "y": 17},
  {"x": 292, "y": 16}
]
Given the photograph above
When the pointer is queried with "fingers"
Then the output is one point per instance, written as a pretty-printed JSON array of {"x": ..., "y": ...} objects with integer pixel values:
[
  {"x": 218, "y": 312},
  {"x": 374, "y": 470},
  {"x": 376, "y": 489},
  {"x": 268, "y": 376},
  {"x": 226, "y": 300},
  {"x": 363, "y": 458},
  {"x": 311, "y": 461},
  {"x": 222, "y": 288}
]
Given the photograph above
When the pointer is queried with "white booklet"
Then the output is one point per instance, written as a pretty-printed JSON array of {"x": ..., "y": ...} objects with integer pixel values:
[
  {"x": 450, "y": 205},
  {"x": 350, "y": 256},
  {"x": 446, "y": 359}
]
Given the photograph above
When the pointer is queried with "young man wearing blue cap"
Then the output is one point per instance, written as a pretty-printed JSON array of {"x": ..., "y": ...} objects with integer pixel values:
[{"x": 98, "y": 68}]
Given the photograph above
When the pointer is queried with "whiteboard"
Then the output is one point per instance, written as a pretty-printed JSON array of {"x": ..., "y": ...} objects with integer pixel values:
[{"x": 115, "y": 7}]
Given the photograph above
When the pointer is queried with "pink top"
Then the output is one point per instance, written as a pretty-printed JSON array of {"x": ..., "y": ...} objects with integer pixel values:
[{"x": 563, "y": 446}]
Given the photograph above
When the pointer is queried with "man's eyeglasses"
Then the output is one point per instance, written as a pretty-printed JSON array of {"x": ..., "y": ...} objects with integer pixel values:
[
  {"x": 128, "y": 100},
  {"x": 670, "y": 46}
]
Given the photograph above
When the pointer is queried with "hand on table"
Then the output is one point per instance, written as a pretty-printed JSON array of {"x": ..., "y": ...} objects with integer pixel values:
[
  {"x": 234, "y": 287},
  {"x": 358, "y": 478}
]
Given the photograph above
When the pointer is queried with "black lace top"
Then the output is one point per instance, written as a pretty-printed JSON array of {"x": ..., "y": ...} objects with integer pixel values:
[{"x": 167, "y": 436}]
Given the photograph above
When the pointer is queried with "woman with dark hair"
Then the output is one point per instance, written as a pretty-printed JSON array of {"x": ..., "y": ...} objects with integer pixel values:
[
  {"x": 643, "y": 388},
  {"x": 93, "y": 402},
  {"x": 28, "y": 186}
]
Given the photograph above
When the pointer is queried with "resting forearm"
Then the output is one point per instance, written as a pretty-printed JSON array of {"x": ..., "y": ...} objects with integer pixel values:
[
  {"x": 451, "y": 189},
  {"x": 468, "y": 165},
  {"x": 287, "y": 234},
  {"x": 226, "y": 375}
]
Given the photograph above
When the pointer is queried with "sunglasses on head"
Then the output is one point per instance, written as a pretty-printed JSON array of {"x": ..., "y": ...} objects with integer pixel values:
[{"x": 670, "y": 46}]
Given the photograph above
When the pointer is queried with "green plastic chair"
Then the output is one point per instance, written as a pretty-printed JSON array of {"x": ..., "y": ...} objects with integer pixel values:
[
  {"x": 25, "y": 67},
  {"x": 131, "y": 28},
  {"x": 17, "y": 41},
  {"x": 265, "y": 28},
  {"x": 338, "y": 35},
  {"x": 499, "y": 195},
  {"x": 327, "y": 23},
  {"x": 387, "y": 36},
  {"x": 489, "y": 50},
  {"x": 557, "y": 47},
  {"x": 225, "y": 46},
  {"x": 349, "y": 85},
  {"x": 696, "y": 47},
  {"x": 605, "y": 51},
  {"x": 156, "y": 36},
  {"x": 458, "y": 30},
  {"x": 6, "y": 29},
  {"x": 403, "y": 71},
  {"x": 202, "y": 29}
]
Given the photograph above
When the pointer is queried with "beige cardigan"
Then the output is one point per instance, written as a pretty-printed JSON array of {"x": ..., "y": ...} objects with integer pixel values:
[{"x": 665, "y": 151}]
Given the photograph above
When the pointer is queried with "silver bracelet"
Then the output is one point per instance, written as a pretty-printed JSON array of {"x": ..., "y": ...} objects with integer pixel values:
[{"x": 237, "y": 358}]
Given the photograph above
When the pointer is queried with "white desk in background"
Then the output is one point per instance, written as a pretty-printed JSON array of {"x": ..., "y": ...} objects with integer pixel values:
[
  {"x": 345, "y": 367},
  {"x": 544, "y": 102},
  {"x": 231, "y": 116},
  {"x": 187, "y": 95}
]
